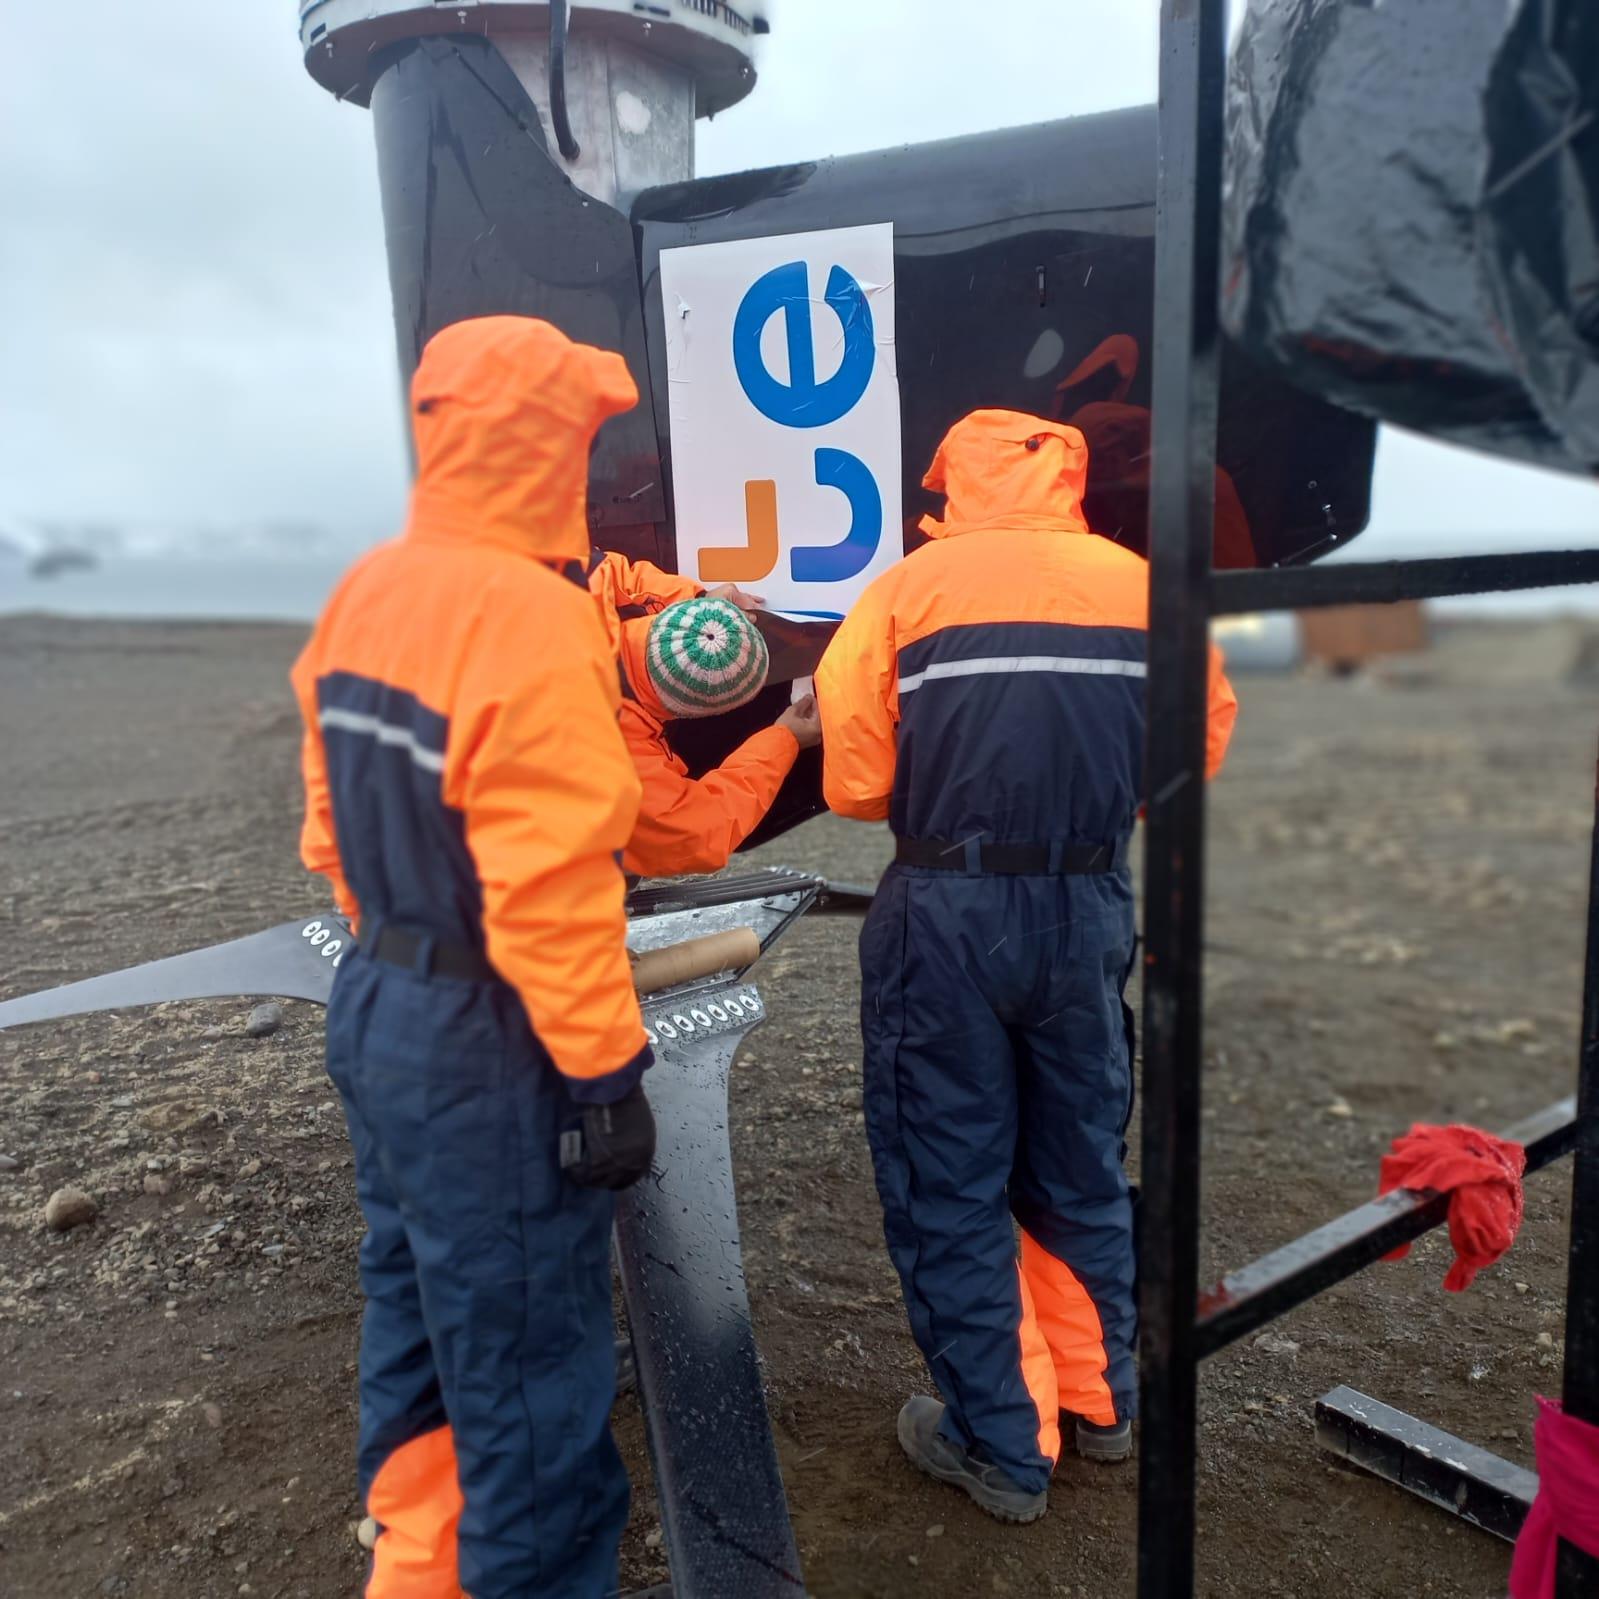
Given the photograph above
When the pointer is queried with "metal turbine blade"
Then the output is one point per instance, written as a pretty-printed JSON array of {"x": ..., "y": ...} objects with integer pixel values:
[{"x": 294, "y": 961}]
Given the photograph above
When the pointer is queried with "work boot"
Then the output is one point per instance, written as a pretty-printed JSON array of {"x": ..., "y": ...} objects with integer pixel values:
[
  {"x": 1105, "y": 1446},
  {"x": 930, "y": 1451}
]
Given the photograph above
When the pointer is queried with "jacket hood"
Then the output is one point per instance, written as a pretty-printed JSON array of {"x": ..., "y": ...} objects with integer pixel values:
[
  {"x": 1006, "y": 468},
  {"x": 504, "y": 410}
]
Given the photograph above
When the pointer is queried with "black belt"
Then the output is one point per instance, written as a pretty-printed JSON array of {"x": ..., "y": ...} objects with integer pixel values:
[
  {"x": 1012, "y": 860},
  {"x": 400, "y": 948}
]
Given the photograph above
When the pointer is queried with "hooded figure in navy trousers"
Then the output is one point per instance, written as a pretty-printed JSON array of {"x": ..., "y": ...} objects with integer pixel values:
[
  {"x": 986, "y": 696},
  {"x": 467, "y": 794}
]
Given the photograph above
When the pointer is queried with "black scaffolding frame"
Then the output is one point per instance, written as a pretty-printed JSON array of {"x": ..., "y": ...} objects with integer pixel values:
[{"x": 1180, "y": 1327}]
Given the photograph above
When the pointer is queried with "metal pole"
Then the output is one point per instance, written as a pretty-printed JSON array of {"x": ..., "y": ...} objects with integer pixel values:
[
  {"x": 1578, "y": 1574},
  {"x": 1182, "y": 488}
]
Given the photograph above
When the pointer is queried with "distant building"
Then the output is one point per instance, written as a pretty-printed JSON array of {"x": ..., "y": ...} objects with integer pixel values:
[{"x": 1345, "y": 638}]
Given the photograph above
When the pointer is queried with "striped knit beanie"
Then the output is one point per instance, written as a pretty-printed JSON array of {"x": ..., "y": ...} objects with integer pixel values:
[{"x": 705, "y": 656}]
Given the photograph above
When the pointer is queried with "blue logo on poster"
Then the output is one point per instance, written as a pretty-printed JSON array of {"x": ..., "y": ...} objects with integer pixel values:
[{"x": 803, "y": 402}]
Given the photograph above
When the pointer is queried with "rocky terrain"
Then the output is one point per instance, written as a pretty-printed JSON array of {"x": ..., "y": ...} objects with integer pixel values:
[{"x": 1398, "y": 876}]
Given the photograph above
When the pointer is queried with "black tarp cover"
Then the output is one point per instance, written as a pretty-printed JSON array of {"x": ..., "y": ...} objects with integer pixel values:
[{"x": 1412, "y": 219}]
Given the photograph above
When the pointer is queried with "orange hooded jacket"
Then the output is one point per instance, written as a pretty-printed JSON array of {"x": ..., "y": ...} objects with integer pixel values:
[
  {"x": 1021, "y": 636},
  {"x": 688, "y": 824},
  {"x": 463, "y": 770}
]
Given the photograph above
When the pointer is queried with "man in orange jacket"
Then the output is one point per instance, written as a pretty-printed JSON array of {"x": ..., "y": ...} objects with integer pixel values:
[
  {"x": 700, "y": 658},
  {"x": 467, "y": 796},
  {"x": 986, "y": 695}
]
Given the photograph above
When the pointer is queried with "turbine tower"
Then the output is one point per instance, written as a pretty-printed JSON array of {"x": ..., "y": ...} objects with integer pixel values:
[{"x": 512, "y": 137}]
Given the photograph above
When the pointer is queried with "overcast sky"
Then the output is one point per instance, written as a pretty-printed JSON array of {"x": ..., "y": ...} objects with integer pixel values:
[{"x": 197, "y": 324}]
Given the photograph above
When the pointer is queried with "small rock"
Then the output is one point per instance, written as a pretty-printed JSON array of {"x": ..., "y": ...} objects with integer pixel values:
[
  {"x": 1546, "y": 1340},
  {"x": 1522, "y": 1288},
  {"x": 251, "y": 1168},
  {"x": 174, "y": 1116},
  {"x": 9, "y": 1163},
  {"x": 122, "y": 1102},
  {"x": 212, "y": 1414},
  {"x": 936, "y": 1530},
  {"x": 68, "y": 1208},
  {"x": 366, "y": 1532},
  {"x": 1340, "y": 1107},
  {"x": 1272, "y": 1344},
  {"x": 212, "y": 1035},
  {"x": 157, "y": 1185},
  {"x": 264, "y": 1021}
]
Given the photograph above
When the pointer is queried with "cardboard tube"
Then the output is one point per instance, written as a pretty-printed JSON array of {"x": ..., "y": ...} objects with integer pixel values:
[{"x": 695, "y": 957}]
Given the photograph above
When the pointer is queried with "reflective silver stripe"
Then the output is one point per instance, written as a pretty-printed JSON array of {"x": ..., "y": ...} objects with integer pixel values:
[
  {"x": 400, "y": 737},
  {"x": 1007, "y": 664}
]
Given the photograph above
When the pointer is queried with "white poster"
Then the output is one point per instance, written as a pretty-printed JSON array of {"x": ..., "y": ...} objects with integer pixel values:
[{"x": 785, "y": 414}]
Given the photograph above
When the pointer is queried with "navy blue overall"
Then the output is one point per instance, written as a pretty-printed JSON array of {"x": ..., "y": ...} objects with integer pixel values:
[
  {"x": 986, "y": 696},
  {"x": 487, "y": 1274}
]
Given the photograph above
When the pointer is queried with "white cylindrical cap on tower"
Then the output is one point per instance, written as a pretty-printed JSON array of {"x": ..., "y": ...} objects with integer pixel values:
[{"x": 710, "y": 42}]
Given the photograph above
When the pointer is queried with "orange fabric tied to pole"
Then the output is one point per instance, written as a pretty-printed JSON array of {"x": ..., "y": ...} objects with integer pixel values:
[{"x": 1482, "y": 1176}]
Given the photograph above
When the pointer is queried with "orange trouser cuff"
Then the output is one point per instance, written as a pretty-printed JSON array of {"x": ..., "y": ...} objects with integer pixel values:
[
  {"x": 1069, "y": 1322},
  {"x": 416, "y": 1501},
  {"x": 1038, "y": 1372}
]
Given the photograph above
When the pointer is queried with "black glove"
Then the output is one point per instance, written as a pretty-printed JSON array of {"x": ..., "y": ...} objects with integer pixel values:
[{"x": 613, "y": 1146}]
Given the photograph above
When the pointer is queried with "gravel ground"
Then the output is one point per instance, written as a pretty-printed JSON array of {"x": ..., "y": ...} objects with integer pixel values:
[{"x": 1397, "y": 884}]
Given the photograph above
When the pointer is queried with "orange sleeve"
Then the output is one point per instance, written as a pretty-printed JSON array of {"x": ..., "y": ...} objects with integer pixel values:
[
  {"x": 1223, "y": 714},
  {"x": 690, "y": 824},
  {"x": 319, "y": 847},
  {"x": 645, "y": 580},
  {"x": 857, "y": 692},
  {"x": 538, "y": 767},
  {"x": 616, "y": 581}
]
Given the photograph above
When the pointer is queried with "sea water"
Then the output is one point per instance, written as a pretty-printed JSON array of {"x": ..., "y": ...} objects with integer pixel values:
[{"x": 226, "y": 588}]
